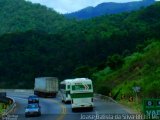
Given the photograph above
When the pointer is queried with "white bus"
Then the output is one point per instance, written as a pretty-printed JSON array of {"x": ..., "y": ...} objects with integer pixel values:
[
  {"x": 65, "y": 90},
  {"x": 81, "y": 94}
]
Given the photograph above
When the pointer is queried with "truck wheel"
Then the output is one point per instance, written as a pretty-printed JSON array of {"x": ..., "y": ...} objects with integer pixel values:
[
  {"x": 35, "y": 93},
  {"x": 55, "y": 95},
  {"x": 91, "y": 109},
  {"x": 39, "y": 114},
  {"x": 73, "y": 110}
]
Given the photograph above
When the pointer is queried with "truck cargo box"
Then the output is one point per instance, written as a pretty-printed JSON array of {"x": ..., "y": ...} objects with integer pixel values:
[{"x": 46, "y": 86}]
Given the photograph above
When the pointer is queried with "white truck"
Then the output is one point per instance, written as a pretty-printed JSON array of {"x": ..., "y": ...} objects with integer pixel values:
[{"x": 46, "y": 86}]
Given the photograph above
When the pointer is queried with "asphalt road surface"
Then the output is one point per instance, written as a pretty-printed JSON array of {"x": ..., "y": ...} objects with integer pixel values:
[{"x": 54, "y": 109}]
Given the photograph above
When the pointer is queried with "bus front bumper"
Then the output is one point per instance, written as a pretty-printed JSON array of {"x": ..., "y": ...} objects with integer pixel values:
[{"x": 82, "y": 106}]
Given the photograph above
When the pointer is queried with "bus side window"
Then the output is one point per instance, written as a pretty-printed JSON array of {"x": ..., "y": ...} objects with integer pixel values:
[{"x": 68, "y": 86}]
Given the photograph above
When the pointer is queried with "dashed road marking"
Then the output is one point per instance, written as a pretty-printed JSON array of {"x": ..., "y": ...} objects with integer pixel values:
[{"x": 63, "y": 110}]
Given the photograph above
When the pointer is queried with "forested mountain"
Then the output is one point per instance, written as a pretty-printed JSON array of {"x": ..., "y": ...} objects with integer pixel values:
[
  {"x": 72, "y": 48},
  {"x": 19, "y": 15},
  {"x": 109, "y": 8}
]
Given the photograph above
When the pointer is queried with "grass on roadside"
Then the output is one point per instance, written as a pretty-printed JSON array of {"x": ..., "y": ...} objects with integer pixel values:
[
  {"x": 134, "y": 106},
  {"x": 1, "y": 109}
]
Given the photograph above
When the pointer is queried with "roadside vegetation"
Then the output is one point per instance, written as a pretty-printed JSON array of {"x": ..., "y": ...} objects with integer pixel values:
[
  {"x": 1, "y": 108},
  {"x": 142, "y": 69}
]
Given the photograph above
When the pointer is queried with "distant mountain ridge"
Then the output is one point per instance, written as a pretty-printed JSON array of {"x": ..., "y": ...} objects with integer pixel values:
[{"x": 109, "y": 8}]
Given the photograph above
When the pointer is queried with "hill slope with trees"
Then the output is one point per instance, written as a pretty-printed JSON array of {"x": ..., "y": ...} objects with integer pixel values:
[
  {"x": 141, "y": 69},
  {"x": 19, "y": 15},
  {"x": 69, "y": 48}
]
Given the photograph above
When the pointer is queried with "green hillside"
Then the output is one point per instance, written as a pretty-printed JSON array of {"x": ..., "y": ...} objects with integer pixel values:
[
  {"x": 36, "y": 41},
  {"x": 19, "y": 15},
  {"x": 140, "y": 69}
]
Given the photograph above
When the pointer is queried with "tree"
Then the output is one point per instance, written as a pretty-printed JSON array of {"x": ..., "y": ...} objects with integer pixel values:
[{"x": 115, "y": 61}]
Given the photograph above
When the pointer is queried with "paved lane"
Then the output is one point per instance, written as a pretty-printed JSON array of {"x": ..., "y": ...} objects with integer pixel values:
[{"x": 53, "y": 109}]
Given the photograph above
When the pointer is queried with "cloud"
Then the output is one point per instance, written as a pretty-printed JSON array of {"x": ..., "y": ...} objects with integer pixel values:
[{"x": 67, "y": 6}]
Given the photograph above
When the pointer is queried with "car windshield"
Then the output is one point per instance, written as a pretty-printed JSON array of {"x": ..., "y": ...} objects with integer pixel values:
[{"x": 32, "y": 106}]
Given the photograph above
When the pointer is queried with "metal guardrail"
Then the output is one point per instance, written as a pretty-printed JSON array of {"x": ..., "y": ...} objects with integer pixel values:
[{"x": 105, "y": 98}]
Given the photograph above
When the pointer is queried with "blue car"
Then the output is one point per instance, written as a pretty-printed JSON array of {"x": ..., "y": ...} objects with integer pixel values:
[
  {"x": 33, "y": 109},
  {"x": 33, "y": 99}
]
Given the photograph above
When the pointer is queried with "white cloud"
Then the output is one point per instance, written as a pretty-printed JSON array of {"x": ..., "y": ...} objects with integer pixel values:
[{"x": 67, "y": 6}]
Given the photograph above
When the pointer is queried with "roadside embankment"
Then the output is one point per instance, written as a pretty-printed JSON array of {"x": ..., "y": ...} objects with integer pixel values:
[
  {"x": 130, "y": 107},
  {"x": 7, "y": 105}
]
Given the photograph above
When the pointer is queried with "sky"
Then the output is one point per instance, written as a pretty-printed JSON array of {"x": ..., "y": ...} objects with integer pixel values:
[{"x": 68, "y": 6}]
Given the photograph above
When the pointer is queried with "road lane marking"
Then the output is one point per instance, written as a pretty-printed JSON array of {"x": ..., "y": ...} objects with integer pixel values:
[{"x": 63, "y": 110}]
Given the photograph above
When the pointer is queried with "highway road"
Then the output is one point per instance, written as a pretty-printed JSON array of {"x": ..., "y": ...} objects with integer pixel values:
[{"x": 54, "y": 109}]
